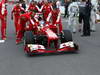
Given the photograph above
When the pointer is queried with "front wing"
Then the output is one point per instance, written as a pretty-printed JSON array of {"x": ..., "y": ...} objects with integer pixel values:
[{"x": 40, "y": 49}]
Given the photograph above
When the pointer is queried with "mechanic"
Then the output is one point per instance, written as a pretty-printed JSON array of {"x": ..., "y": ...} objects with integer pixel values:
[
  {"x": 16, "y": 12},
  {"x": 33, "y": 7},
  {"x": 56, "y": 18},
  {"x": 26, "y": 21},
  {"x": 3, "y": 17},
  {"x": 73, "y": 11},
  {"x": 46, "y": 9}
]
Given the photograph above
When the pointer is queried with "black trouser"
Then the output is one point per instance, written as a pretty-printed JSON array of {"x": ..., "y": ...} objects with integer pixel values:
[
  {"x": 86, "y": 23},
  {"x": 66, "y": 12},
  {"x": 81, "y": 18}
]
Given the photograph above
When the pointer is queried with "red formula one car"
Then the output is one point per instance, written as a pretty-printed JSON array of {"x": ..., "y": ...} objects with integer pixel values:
[{"x": 48, "y": 39}]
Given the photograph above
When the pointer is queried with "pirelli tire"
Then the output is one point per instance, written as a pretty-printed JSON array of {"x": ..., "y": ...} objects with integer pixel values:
[
  {"x": 66, "y": 36},
  {"x": 29, "y": 38}
]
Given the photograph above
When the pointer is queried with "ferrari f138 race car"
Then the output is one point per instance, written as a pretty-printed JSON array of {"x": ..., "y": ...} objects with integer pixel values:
[{"x": 46, "y": 39}]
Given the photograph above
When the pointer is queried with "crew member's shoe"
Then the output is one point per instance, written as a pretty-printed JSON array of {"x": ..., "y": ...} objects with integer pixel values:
[{"x": 18, "y": 41}]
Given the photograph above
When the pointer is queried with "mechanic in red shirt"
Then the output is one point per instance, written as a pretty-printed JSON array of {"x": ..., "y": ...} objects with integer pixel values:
[
  {"x": 56, "y": 18},
  {"x": 26, "y": 21},
  {"x": 33, "y": 7},
  {"x": 16, "y": 12},
  {"x": 46, "y": 9},
  {"x": 3, "y": 18}
]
